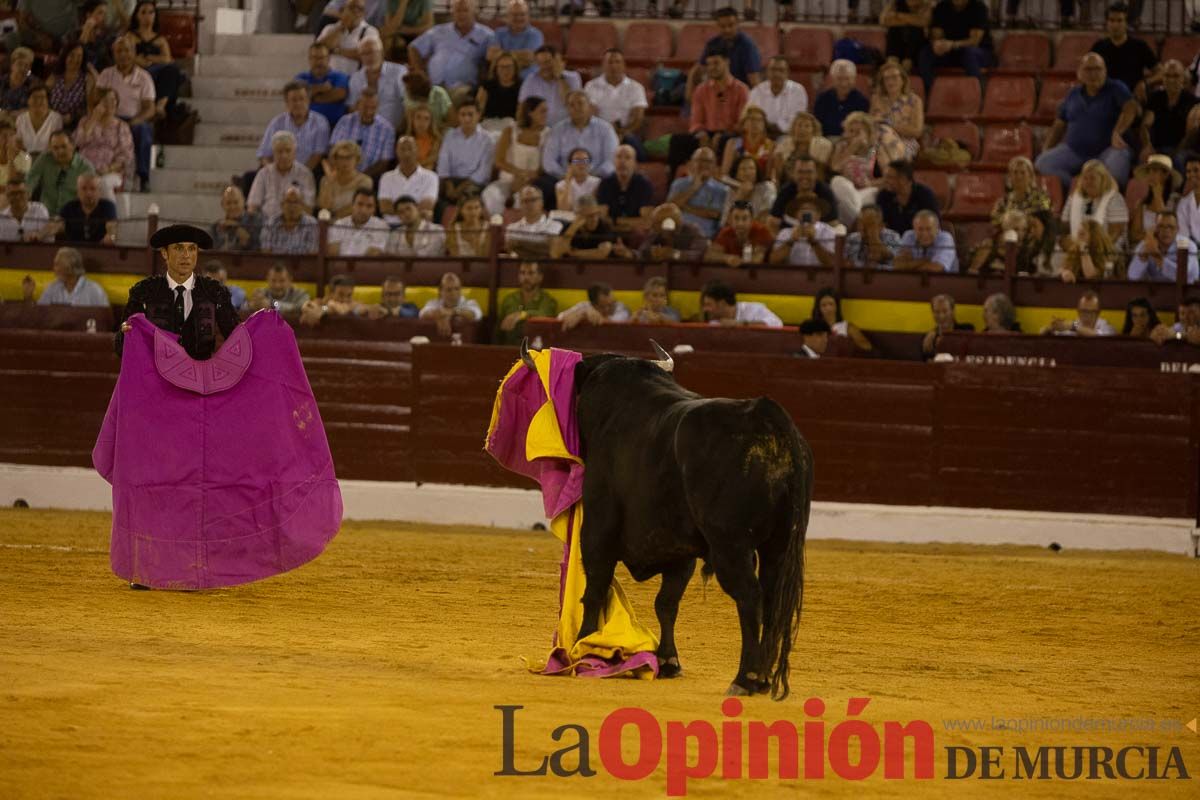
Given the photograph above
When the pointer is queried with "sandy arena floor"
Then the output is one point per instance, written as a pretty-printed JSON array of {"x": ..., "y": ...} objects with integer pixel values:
[{"x": 373, "y": 672}]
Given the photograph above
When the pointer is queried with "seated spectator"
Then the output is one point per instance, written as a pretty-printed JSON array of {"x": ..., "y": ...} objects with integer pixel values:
[
  {"x": 528, "y": 300},
  {"x": 833, "y": 105},
  {"x": 717, "y": 106},
  {"x": 927, "y": 248},
  {"x": 498, "y": 96},
  {"x": 279, "y": 293},
  {"x": 414, "y": 236},
  {"x": 70, "y": 287},
  {"x": 71, "y": 85},
  {"x": 552, "y": 82},
  {"x": 600, "y": 308},
  {"x": 1140, "y": 319},
  {"x": 1157, "y": 258},
  {"x": 901, "y": 198},
  {"x": 1088, "y": 254},
  {"x": 453, "y": 53},
  {"x": 814, "y": 333},
  {"x": 1164, "y": 121},
  {"x": 12, "y": 158},
  {"x": 753, "y": 141},
  {"x": 899, "y": 111},
  {"x": 1091, "y": 124},
  {"x": 360, "y": 233},
  {"x": 803, "y": 139},
  {"x": 419, "y": 91},
  {"x": 344, "y": 37},
  {"x": 374, "y": 135},
  {"x": 626, "y": 197},
  {"x": 780, "y": 97},
  {"x": 152, "y": 52},
  {"x": 310, "y": 129},
  {"x": 341, "y": 180},
  {"x": 16, "y": 86},
  {"x": 23, "y": 221},
  {"x": 808, "y": 243},
  {"x": 216, "y": 270},
  {"x": 856, "y": 164},
  {"x": 53, "y": 176},
  {"x": 670, "y": 238},
  {"x": 37, "y": 122},
  {"x": 944, "y": 321},
  {"x": 747, "y": 185},
  {"x": 1186, "y": 327},
  {"x": 106, "y": 142},
  {"x": 873, "y": 245},
  {"x": 742, "y": 241},
  {"x": 283, "y": 173},
  {"x": 1188, "y": 207},
  {"x": 1036, "y": 251},
  {"x": 827, "y": 307},
  {"x": 518, "y": 38},
  {"x": 408, "y": 179},
  {"x": 327, "y": 87},
  {"x": 1097, "y": 197},
  {"x": 465, "y": 160},
  {"x": 403, "y": 25},
  {"x": 392, "y": 302},
  {"x": 990, "y": 255},
  {"x": 959, "y": 36},
  {"x": 338, "y": 303},
  {"x": 1128, "y": 60},
  {"x": 238, "y": 229},
  {"x": 906, "y": 22},
  {"x": 1087, "y": 323},
  {"x": 1021, "y": 191},
  {"x": 1162, "y": 194},
  {"x": 469, "y": 235},
  {"x": 450, "y": 304},
  {"x": 579, "y": 129},
  {"x": 518, "y": 154},
  {"x": 655, "y": 310},
  {"x": 135, "y": 102},
  {"x": 385, "y": 77},
  {"x": 1191, "y": 136},
  {"x": 745, "y": 63},
  {"x": 41, "y": 24},
  {"x": 619, "y": 99},
  {"x": 699, "y": 195},
  {"x": 293, "y": 230},
  {"x": 578, "y": 182},
  {"x": 88, "y": 219},
  {"x": 999, "y": 315},
  {"x": 96, "y": 35},
  {"x": 530, "y": 236},
  {"x": 589, "y": 237},
  {"x": 720, "y": 306},
  {"x": 804, "y": 182}
]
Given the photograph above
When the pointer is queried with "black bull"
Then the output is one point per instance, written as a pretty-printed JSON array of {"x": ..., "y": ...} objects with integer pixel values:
[{"x": 672, "y": 477}]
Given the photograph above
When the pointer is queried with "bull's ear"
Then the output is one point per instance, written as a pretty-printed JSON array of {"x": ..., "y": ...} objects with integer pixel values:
[
  {"x": 664, "y": 358},
  {"x": 528, "y": 359}
]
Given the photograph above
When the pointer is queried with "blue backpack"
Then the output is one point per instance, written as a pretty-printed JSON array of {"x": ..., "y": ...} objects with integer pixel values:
[
  {"x": 669, "y": 86},
  {"x": 857, "y": 52}
]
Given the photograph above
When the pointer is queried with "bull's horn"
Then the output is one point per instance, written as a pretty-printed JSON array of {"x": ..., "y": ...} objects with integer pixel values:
[
  {"x": 664, "y": 358},
  {"x": 528, "y": 359}
]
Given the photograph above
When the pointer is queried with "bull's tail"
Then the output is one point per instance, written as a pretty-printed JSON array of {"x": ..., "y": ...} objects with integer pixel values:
[{"x": 785, "y": 597}]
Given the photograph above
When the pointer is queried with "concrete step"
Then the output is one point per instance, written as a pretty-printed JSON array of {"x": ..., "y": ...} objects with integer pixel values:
[
  {"x": 263, "y": 44},
  {"x": 239, "y": 89},
  {"x": 192, "y": 180},
  {"x": 255, "y": 113},
  {"x": 213, "y": 135},
  {"x": 224, "y": 159},
  {"x": 264, "y": 66},
  {"x": 197, "y": 209}
]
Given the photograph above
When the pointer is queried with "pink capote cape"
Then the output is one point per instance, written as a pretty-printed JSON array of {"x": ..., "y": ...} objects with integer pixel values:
[{"x": 220, "y": 470}]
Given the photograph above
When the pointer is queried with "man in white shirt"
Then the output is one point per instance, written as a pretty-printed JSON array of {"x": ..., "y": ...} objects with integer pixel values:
[
  {"x": 721, "y": 307},
  {"x": 531, "y": 235},
  {"x": 70, "y": 287},
  {"x": 273, "y": 180},
  {"x": 344, "y": 37},
  {"x": 22, "y": 221},
  {"x": 601, "y": 308},
  {"x": 1088, "y": 323},
  {"x": 450, "y": 305},
  {"x": 1188, "y": 207},
  {"x": 619, "y": 99},
  {"x": 360, "y": 234},
  {"x": 780, "y": 98},
  {"x": 410, "y": 179},
  {"x": 415, "y": 236},
  {"x": 808, "y": 243}
]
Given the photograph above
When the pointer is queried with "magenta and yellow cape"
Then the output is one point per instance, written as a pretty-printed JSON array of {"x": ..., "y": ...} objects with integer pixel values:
[{"x": 533, "y": 432}]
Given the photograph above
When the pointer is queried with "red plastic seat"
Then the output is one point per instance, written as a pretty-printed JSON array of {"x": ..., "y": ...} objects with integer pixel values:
[
  {"x": 1181, "y": 48},
  {"x": 869, "y": 37},
  {"x": 1135, "y": 192},
  {"x": 938, "y": 182},
  {"x": 656, "y": 173},
  {"x": 647, "y": 42},
  {"x": 954, "y": 97},
  {"x": 974, "y": 195},
  {"x": 587, "y": 41},
  {"x": 692, "y": 38},
  {"x": 1009, "y": 97},
  {"x": 767, "y": 39},
  {"x": 179, "y": 29},
  {"x": 1070, "y": 49},
  {"x": 642, "y": 76},
  {"x": 661, "y": 124},
  {"x": 1027, "y": 52},
  {"x": 965, "y": 133},
  {"x": 552, "y": 33},
  {"x": 1054, "y": 91},
  {"x": 809, "y": 47},
  {"x": 1002, "y": 143},
  {"x": 975, "y": 233}
]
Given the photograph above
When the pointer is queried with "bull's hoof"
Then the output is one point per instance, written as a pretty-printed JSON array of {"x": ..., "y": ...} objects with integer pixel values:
[
  {"x": 737, "y": 690},
  {"x": 669, "y": 668}
]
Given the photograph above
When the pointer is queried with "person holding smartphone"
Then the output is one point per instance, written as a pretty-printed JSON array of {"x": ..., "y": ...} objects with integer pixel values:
[{"x": 810, "y": 242}]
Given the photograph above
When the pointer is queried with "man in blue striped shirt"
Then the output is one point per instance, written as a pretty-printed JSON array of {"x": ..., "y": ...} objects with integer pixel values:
[
  {"x": 374, "y": 135},
  {"x": 453, "y": 53},
  {"x": 310, "y": 128},
  {"x": 465, "y": 160}
]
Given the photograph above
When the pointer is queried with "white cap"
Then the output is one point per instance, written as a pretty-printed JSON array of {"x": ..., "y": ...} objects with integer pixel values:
[
  {"x": 1183, "y": 243},
  {"x": 1010, "y": 237},
  {"x": 839, "y": 229},
  {"x": 668, "y": 224},
  {"x": 496, "y": 220},
  {"x": 419, "y": 340},
  {"x": 683, "y": 349},
  {"x": 943, "y": 358},
  {"x": 324, "y": 215},
  {"x": 152, "y": 209}
]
